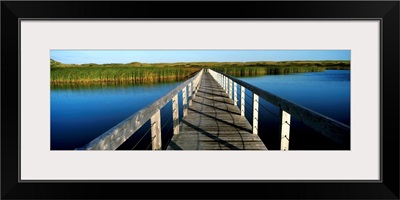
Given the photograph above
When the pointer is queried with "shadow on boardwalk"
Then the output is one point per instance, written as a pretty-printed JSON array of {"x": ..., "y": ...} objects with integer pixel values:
[{"x": 214, "y": 123}]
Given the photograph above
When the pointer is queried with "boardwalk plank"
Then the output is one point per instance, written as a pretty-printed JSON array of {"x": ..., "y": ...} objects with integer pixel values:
[{"x": 214, "y": 123}]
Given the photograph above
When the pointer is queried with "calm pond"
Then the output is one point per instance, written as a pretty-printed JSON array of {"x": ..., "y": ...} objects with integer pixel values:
[
  {"x": 327, "y": 93},
  {"x": 81, "y": 113}
]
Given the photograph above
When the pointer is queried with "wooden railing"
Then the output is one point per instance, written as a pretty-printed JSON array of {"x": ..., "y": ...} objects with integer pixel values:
[
  {"x": 332, "y": 129},
  {"x": 117, "y": 135}
]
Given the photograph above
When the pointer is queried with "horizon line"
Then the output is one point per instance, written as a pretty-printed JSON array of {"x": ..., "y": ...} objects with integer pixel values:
[{"x": 202, "y": 61}]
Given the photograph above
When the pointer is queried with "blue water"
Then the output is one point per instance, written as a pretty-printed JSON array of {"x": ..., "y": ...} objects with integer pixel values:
[
  {"x": 327, "y": 93},
  {"x": 78, "y": 115}
]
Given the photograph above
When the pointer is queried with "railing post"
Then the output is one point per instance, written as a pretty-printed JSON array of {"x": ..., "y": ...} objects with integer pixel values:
[
  {"x": 195, "y": 87},
  {"x": 184, "y": 101},
  {"x": 191, "y": 88},
  {"x": 242, "y": 101},
  {"x": 156, "y": 131},
  {"x": 230, "y": 88},
  {"x": 255, "y": 113},
  {"x": 285, "y": 129},
  {"x": 190, "y": 93},
  {"x": 198, "y": 81},
  {"x": 175, "y": 114},
  {"x": 235, "y": 93},
  {"x": 223, "y": 82},
  {"x": 227, "y": 85}
]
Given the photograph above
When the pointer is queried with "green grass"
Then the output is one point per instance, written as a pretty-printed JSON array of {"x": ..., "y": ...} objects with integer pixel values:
[
  {"x": 139, "y": 73},
  {"x": 119, "y": 74},
  {"x": 284, "y": 67},
  {"x": 259, "y": 71}
]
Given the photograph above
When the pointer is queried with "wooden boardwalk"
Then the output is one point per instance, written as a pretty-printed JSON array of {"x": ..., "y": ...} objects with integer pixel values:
[{"x": 213, "y": 122}]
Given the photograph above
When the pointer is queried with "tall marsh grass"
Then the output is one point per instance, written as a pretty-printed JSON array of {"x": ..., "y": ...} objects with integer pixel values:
[
  {"x": 259, "y": 71},
  {"x": 139, "y": 73},
  {"x": 120, "y": 74}
]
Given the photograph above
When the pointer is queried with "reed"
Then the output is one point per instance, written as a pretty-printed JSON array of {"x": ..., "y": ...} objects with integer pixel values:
[
  {"x": 138, "y": 73},
  {"x": 268, "y": 70},
  {"x": 120, "y": 74}
]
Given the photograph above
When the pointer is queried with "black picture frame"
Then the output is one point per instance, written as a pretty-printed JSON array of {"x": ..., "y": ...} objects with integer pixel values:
[{"x": 386, "y": 11}]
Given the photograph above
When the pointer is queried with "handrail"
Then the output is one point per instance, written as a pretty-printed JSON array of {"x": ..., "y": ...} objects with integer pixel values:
[
  {"x": 334, "y": 130},
  {"x": 117, "y": 135}
]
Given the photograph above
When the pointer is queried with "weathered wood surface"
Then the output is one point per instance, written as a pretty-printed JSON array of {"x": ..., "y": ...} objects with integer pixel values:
[
  {"x": 155, "y": 122},
  {"x": 214, "y": 123},
  {"x": 285, "y": 130}
]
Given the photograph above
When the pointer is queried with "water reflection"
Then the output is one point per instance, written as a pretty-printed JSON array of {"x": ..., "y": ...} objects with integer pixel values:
[{"x": 80, "y": 113}]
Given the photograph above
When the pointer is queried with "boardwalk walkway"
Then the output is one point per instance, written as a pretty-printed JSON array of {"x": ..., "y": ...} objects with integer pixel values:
[{"x": 213, "y": 122}]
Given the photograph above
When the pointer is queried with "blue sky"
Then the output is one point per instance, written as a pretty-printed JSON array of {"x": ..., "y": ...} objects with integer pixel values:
[{"x": 170, "y": 56}]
